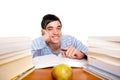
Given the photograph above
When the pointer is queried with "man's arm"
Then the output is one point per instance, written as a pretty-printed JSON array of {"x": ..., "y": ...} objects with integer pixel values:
[{"x": 71, "y": 52}]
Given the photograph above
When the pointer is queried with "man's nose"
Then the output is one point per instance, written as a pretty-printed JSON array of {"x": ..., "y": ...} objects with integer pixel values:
[{"x": 55, "y": 31}]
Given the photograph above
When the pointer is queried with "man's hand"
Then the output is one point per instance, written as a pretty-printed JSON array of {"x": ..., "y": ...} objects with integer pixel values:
[
  {"x": 71, "y": 52},
  {"x": 45, "y": 35}
]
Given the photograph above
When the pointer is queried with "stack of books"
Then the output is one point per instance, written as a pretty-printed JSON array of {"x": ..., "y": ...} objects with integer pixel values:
[
  {"x": 15, "y": 56},
  {"x": 104, "y": 53}
]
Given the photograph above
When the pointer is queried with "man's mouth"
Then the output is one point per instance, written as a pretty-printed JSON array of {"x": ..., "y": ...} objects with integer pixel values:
[{"x": 55, "y": 37}]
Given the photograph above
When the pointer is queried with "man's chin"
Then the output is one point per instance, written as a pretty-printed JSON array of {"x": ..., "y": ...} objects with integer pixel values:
[{"x": 55, "y": 42}]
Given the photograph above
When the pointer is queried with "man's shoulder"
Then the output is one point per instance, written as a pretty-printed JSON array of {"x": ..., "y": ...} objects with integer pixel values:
[
  {"x": 67, "y": 37},
  {"x": 37, "y": 38}
]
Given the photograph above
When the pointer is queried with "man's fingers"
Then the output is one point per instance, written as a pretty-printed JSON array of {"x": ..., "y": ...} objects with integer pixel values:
[
  {"x": 63, "y": 54},
  {"x": 70, "y": 51},
  {"x": 73, "y": 54},
  {"x": 64, "y": 49},
  {"x": 43, "y": 32}
]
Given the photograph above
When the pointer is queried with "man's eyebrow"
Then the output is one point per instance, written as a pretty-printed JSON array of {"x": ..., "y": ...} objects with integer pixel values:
[
  {"x": 59, "y": 26},
  {"x": 49, "y": 27}
]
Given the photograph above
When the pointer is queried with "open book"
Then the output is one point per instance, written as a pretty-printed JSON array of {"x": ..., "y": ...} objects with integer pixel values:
[{"x": 53, "y": 60}]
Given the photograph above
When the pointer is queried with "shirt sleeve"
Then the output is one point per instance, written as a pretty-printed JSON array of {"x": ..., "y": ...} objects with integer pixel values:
[
  {"x": 80, "y": 46},
  {"x": 68, "y": 40},
  {"x": 37, "y": 45}
]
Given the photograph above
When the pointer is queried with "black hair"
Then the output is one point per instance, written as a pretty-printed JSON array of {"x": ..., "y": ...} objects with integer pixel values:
[{"x": 47, "y": 19}]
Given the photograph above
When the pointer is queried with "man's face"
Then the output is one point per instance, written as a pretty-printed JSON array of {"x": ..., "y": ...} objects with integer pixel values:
[{"x": 54, "y": 31}]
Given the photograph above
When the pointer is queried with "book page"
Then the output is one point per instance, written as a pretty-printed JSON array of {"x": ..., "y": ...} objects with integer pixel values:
[{"x": 53, "y": 60}]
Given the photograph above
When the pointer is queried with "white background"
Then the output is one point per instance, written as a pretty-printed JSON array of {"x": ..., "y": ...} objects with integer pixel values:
[{"x": 80, "y": 18}]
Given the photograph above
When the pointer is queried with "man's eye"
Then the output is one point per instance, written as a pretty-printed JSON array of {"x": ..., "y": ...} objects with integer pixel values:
[
  {"x": 59, "y": 28},
  {"x": 49, "y": 28}
]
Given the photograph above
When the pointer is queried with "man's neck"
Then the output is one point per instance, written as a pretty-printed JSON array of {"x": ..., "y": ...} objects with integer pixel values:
[{"x": 55, "y": 47}]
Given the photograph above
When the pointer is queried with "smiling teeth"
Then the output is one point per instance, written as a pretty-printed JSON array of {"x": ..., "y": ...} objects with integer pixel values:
[{"x": 55, "y": 37}]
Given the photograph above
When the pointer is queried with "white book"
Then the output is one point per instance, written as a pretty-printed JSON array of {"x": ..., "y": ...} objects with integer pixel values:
[
  {"x": 105, "y": 38},
  {"x": 13, "y": 44},
  {"x": 105, "y": 58},
  {"x": 15, "y": 67},
  {"x": 108, "y": 52},
  {"x": 13, "y": 56},
  {"x": 101, "y": 64},
  {"x": 13, "y": 47},
  {"x": 104, "y": 44},
  {"x": 6, "y": 40},
  {"x": 53, "y": 60}
]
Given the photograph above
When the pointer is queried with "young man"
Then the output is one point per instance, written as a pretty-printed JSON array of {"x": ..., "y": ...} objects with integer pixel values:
[{"x": 53, "y": 42}]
